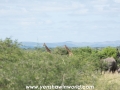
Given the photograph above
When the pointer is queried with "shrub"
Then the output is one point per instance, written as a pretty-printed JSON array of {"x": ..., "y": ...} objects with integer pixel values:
[
  {"x": 107, "y": 52},
  {"x": 10, "y": 50},
  {"x": 60, "y": 51}
]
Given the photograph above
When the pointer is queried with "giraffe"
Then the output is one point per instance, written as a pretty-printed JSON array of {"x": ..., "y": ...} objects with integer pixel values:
[
  {"x": 48, "y": 50},
  {"x": 69, "y": 52}
]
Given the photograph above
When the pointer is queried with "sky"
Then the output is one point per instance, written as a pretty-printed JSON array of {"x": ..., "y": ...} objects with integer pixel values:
[{"x": 60, "y": 20}]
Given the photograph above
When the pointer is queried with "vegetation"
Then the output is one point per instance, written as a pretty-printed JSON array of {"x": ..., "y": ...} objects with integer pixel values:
[{"x": 30, "y": 67}]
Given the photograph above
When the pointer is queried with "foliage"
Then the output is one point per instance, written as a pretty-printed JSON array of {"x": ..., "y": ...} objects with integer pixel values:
[
  {"x": 37, "y": 67},
  {"x": 60, "y": 51},
  {"x": 10, "y": 50},
  {"x": 107, "y": 52}
]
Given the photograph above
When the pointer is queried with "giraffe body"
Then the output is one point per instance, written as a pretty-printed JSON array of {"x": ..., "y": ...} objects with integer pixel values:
[
  {"x": 69, "y": 52},
  {"x": 48, "y": 50}
]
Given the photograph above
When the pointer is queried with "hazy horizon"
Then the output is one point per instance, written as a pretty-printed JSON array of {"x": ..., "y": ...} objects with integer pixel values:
[
  {"x": 69, "y": 41},
  {"x": 60, "y": 20}
]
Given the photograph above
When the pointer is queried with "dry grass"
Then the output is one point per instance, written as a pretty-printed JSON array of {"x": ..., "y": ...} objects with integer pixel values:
[{"x": 108, "y": 81}]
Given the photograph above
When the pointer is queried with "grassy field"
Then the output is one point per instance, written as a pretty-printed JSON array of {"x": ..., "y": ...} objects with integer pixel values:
[
  {"x": 20, "y": 68},
  {"x": 108, "y": 82}
]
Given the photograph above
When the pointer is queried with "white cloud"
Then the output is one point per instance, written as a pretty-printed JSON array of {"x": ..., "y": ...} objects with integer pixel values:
[
  {"x": 117, "y": 1},
  {"x": 52, "y": 17},
  {"x": 99, "y": 1},
  {"x": 25, "y": 23},
  {"x": 48, "y": 22},
  {"x": 13, "y": 11},
  {"x": 101, "y": 8},
  {"x": 76, "y": 5},
  {"x": 81, "y": 11},
  {"x": 49, "y": 8}
]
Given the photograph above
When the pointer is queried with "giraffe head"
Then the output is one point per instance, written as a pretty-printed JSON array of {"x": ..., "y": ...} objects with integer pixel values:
[
  {"x": 44, "y": 44},
  {"x": 65, "y": 46}
]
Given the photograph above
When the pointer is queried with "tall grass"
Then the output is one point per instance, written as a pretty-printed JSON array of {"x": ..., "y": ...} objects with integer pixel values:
[{"x": 108, "y": 81}]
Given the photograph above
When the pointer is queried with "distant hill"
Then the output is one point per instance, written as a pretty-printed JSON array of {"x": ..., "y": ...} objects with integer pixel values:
[{"x": 72, "y": 44}]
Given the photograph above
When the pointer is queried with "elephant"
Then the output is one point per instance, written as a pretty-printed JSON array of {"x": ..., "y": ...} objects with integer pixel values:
[{"x": 109, "y": 64}]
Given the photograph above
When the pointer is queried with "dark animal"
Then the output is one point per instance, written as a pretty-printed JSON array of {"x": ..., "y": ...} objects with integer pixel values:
[{"x": 109, "y": 64}]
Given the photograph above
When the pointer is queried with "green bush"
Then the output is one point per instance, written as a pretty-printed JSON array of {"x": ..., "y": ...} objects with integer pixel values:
[
  {"x": 37, "y": 67},
  {"x": 107, "y": 52},
  {"x": 60, "y": 51},
  {"x": 10, "y": 50}
]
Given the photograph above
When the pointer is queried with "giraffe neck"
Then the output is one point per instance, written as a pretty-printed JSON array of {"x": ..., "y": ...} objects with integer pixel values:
[
  {"x": 47, "y": 48},
  {"x": 67, "y": 48},
  {"x": 70, "y": 53}
]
